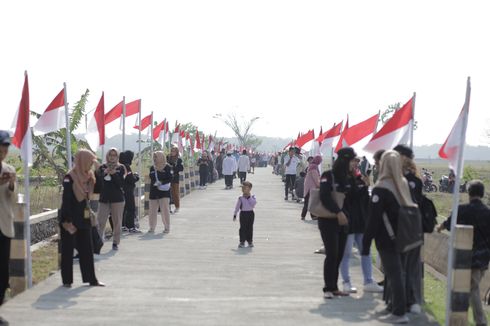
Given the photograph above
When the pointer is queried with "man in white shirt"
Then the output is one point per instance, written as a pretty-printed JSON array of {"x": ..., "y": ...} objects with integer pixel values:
[
  {"x": 243, "y": 166},
  {"x": 229, "y": 167},
  {"x": 290, "y": 164}
]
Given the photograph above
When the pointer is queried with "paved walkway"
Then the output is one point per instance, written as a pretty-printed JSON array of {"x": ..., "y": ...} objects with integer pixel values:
[{"x": 196, "y": 275}]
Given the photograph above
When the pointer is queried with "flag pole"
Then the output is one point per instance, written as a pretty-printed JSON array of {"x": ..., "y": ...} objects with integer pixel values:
[
  {"x": 27, "y": 207},
  {"x": 68, "y": 133},
  {"x": 139, "y": 163},
  {"x": 123, "y": 122},
  {"x": 151, "y": 137},
  {"x": 455, "y": 204},
  {"x": 413, "y": 120}
]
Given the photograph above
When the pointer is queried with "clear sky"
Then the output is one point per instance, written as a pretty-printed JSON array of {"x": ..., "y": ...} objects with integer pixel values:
[{"x": 295, "y": 64}]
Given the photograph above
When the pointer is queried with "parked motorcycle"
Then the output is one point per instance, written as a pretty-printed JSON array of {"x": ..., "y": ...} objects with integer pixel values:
[
  {"x": 447, "y": 185},
  {"x": 428, "y": 182}
]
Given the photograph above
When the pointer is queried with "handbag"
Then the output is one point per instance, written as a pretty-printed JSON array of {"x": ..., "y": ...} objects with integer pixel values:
[
  {"x": 161, "y": 186},
  {"x": 409, "y": 234},
  {"x": 316, "y": 207}
]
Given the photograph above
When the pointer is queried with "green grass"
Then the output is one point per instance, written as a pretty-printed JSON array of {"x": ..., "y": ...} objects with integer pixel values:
[{"x": 44, "y": 262}]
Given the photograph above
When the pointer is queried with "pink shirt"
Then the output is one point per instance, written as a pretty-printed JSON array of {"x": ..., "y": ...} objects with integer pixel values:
[{"x": 312, "y": 180}]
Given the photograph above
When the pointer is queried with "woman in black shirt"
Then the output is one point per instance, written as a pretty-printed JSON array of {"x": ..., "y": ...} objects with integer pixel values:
[
  {"x": 175, "y": 163},
  {"x": 160, "y": 178}
]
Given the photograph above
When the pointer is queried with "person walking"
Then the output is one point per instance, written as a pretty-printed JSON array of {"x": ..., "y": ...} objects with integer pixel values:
[
  {"x": 75, "y": 221},
  {"x": 334, "y": 230},
  {"x": 243, "y": 166},
  {"x": 290, "y": 164},
  {"x": 245, "y": 205},
  {"x": 129, "y": 184},
  {"x": 160, "y": 179},
  {"x": 229, "y": 168},
  {"x": 110, "y": 176},
  {"x": 7, "y": 200},
  {"x": 312, "y": 181},
  {"x": 219, "y": 163},
  {"x": 476, "y": 214},
  {"x": 389, "y": 193},
  {"x": 203, "y": 163},
  {"x": 175, "y": 163}
]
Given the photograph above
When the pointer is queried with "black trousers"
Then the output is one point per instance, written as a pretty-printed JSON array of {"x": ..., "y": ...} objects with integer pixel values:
[
  {"x": 243, "y": 176},
  {"x": 203, "y": 177},
  {"x": 129, "y": 210},
  {"x": 229, "y": 180},
  {"x": 4, "y": 264},
  {"x": 83, "y": 240},
  {"x": 289, "y": 184},
  {"x": 247, "y": 226},
  {"x": 334, "y": 237},
  {"x": 395, "y": 276},
  {"x": 305, "y": 205}
]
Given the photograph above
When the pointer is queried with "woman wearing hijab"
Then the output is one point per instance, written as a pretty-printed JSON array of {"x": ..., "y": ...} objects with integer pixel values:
[
  {"x": 160, "y": 178},
  {"x": 175, "y": 163},
  {"x": 110, "y": 176},
  {"x": 203, "y": 163},
  {"x": 390, "y": 192},
  {"x": 75, "y": 224},
  {"x": 129, "y": 215},
  {"x": 312, "y": 180}
]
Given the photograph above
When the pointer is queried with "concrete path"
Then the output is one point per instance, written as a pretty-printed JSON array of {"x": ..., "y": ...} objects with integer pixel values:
[{"x": 196, "y": 275}]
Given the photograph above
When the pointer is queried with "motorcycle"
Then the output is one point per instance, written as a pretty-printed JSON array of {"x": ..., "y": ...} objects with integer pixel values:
[
  {"x": 428, "y": 182},
  {"x": 447, "y": 185}
]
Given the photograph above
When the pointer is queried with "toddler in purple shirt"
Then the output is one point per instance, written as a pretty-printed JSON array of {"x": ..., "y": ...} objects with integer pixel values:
[{"x": 246, "y": 204}]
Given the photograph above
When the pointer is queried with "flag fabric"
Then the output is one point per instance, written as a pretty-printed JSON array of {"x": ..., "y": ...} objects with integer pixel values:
[
  {"x": 197, "y": 140},
  {"x": 451, "y": 147},
  {"x": 210, "y": 143},
  {"x": 396, "y": 131},
  {"x": 305, "y": 138},
  {"x": 22, "y": 138},
  {"x": 327, "y": 138},
  {"x": 114, "y": 113},
  {"x": 133, "y": 108},
  {"x": 158, "y": 129},
  {"x": 53, "y": 118},
  {"x": 355, "y": 136},
  {"x": 96, "y": 129},
  {"x": 176, "y": 135},
  {"x": 145, "y": 122}
]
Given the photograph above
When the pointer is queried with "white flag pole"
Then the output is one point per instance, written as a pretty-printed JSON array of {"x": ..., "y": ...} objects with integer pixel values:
[
  {"x": 139, "y": 163},
  {"x": 27, "y": 215},
  {"x": 123, "y": 122},
  {"x": 68, "y": 133},
  {"x": 454, "y": 214},
  {"x": 151, "y": 137},
  {"x": 413, "y": 120}
]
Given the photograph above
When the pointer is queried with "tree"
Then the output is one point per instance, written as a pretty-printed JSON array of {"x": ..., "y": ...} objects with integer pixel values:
[
  {"x": 241, "y": 129},
  {"x": 50, "y": 148}
]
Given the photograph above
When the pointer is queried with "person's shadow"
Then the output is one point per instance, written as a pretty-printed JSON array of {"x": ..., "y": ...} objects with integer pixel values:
[{"x": 59, "y": 298}]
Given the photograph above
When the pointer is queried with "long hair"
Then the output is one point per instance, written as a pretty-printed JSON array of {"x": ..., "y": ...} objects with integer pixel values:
[{"x": 340, "y": 169}]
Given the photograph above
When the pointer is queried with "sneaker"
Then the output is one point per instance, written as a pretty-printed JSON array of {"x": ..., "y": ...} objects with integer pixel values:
[
  {"x": 124, "y": 229},
  {"x": 415, "y": 308},
  {"x": 241, "y": 245},
  {"x": 166, "y": 231},
  {"x": 151, "y": 231},
  {"x": 373, "y": 287},
  {"x": 320, "y": 251},
  {"x": 134, "y": 230},
  {"x": 286, "y": 198},
  {"x": 348, "y": 288},
  {"x": 114, "y": 247},
  {"x": 394, "y": 319},
  {"x": 250, "y": 244},
  {"x": 340, "y": 293},
  {"x": 328, "y": 295},
  {"x": 176, "y": 210}
]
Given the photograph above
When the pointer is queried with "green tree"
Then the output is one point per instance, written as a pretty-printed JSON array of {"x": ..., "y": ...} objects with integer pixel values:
[{"x": 50, "y": 149}]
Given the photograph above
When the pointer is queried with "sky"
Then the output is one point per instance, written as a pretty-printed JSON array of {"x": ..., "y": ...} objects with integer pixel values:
[{"x": 295, "y": 64}]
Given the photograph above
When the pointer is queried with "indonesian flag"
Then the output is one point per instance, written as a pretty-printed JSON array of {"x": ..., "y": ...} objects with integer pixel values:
[
  {"x": 198, "y": 140},
  {"x": 210, "y": 143},
  {"x": 315, "y": 145},
  {"x": 453, "y": 147},
  {"x": 53, "y": 118},
  {"x": 114, "y": 113},
  {"x": 396, "y": 131},
  {"x": 158, "y": 129},
  {"x": 22, "y": 136},
  {"x": 356, "y": 135},
  {"x": 302, "y": 140},
  {"x": 176, "y": 135},
  {"x": 96, "y": 129},
  {"x": 133, "y": 108},
  {"x": 187, "y": 140},
  {"x": 328, "y": 138},
  {"x": 145, "y": 122}
]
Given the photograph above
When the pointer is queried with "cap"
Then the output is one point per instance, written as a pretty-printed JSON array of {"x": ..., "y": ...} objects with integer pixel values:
[
  {"x": 4, "y": 138},
  {"x": 347, "y": 153},
  {"x": 404, "y": 150}
]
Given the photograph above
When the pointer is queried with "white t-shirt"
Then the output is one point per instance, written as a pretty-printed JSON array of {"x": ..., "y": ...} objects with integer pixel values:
[
  {"x": 291, "y": 169},
  {"x": 243, "y": 163}
]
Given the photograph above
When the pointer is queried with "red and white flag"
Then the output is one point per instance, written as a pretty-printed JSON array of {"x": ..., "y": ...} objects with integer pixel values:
[
  {"x": 305, "y": 138},
  {"x": 157, "y": 130},
  {"x": 211, "y": 143},
  {"x": 356, "y": 136},
  {"x": 22, "y": 138},
  {"x": 145, "y": 122},
  {"x": 96, "y": 129},
  {"x": 396, "y": 131},
  {"x": 53, "y": 118},
  {"x": 133, "y": 107},
  {"x": 328, "y": 138},
  {"x": 197, "y": 140}
]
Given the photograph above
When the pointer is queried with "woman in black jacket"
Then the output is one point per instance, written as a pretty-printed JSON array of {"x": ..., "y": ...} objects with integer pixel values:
[
  {"x": 110, "y": 177},
  {"x": 203, "y": 163},
  {"x": 389, "y": 193},
  {"x": 175, "y": 163},
  {"x": 160, "y": 178},
  {"x": 129, "y": 184},
  {"x": 75, "y": 224},
  {"x": 334, "y": 230}
]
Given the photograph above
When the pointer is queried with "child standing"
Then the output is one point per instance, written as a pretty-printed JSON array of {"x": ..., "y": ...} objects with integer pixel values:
[{"x": 246, "y": 204}]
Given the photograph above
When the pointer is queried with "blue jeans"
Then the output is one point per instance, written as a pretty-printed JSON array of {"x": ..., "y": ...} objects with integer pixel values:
[{"x": 366, "y": 264}]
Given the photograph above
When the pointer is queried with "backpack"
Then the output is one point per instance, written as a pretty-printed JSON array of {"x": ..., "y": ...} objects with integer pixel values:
[
  {"x": 409, "y": 233},
  {"x": 429, "y": 214}
]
